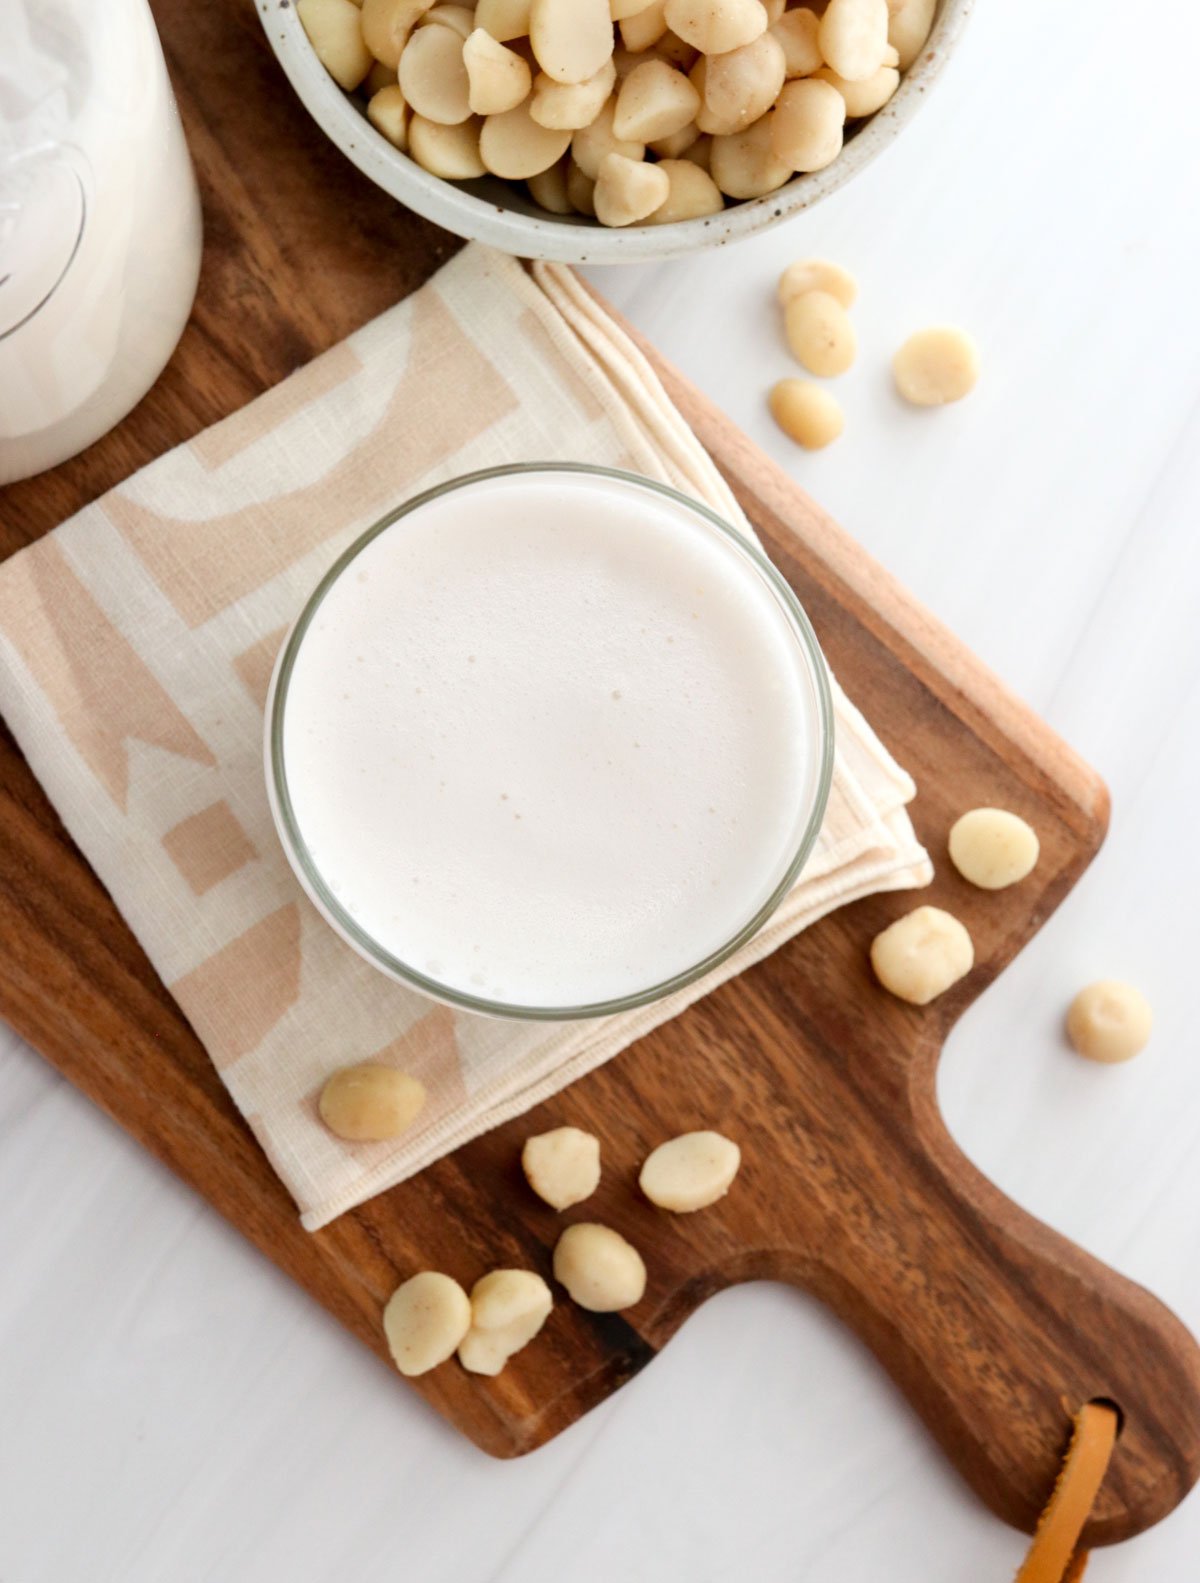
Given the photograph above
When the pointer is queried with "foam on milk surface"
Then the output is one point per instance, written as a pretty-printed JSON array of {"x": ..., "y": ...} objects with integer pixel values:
[{"x": 548, "y": 743}]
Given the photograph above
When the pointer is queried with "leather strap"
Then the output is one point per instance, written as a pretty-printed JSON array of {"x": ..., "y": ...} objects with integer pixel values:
[{"x": 1053, "y": 1556}]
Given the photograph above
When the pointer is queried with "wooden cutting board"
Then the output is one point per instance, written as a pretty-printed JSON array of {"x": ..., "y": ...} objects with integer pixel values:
[{"x": 993, "y": 1326}]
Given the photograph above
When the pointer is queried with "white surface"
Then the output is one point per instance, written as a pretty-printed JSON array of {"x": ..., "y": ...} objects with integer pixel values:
[{"x": 173, "y": 1409}]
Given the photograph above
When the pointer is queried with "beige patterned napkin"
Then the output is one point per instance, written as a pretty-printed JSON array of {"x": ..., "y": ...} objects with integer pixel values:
[{"x": 136, "y": 645}]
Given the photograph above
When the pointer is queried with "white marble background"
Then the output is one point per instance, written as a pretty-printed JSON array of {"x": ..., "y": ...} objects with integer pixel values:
[{"x": 172, "y": 1410}]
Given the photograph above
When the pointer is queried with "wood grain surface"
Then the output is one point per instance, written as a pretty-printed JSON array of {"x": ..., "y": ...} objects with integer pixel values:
[{"x": 992, "y": 1325}]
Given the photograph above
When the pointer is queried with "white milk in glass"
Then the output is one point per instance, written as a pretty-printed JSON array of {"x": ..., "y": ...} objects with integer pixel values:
[{"x": 551, "y": 740}]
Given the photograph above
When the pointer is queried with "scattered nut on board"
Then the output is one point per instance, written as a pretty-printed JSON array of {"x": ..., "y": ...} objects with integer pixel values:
[
  {"x": 936, "y": 366},
  {"x": 508, "y": 1308},
  {"x": 368, "y": 1103},
  {"x": 1109, "y": 1021},
  {"x": 600, "y": 1270},
  {"x": 562, "y": 1166},
  {"x": 922, "y": 954},
  {"x": 771, "y": 86},
  {"x": 690, "y": 1172},
  {"x": 425, "y": 1321},
  {"x": 820, "y": 334},
  {"x": 806, "y": 413},
  {"x": 993, "y": 848}
]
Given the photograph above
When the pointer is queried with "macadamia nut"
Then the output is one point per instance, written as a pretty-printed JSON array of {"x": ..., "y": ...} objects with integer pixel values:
[
  {"x": 820, "y": 334},
  {"x": 739, "y": 86},
  {"x": 744, "y": 164},
  {"x": 806, "y": 413},
  {"x": 503, "y": 19},
  {"x": 1109, "y": 1021},
  {"x": 562, "y": 1166},
  {"x": 807, "y": 123},
  {"x": 548, "y": 189},
  {"x": 386, "y": 25},
  {"x": 653, "y": 101},
  {"x": 458, "y": 18},
  {"x": 922, "y": 954},
  {"x": 334, "y": 29},
  {"x": 600, "y": 1270},
  {"x": 569, "y": 106},
  {"x": 433, "y": 76},
  {"x": 388, "y": 113},
  {"x": 716, "y": 26},
  {"x": 571, "y": 39},
  {"x": 854, "y": 37},
  {"x": 796, "y": 31},
  {"x": 498, "y": 79},
  {"x": 693, "y": 193},
  {"x": 508, "y": 1308},
  {"x": 817, "y": 274},
  {"x": 451, "y": 152},
  {"x": 865, "y": 97},
  {"x": 514, "y": 145},
  {"x": 591, "y": 144},
  {"x": 368, "y": 1102},
  {"x": 992, "y": 848},
  {"x": 908, "y": 28},
  {"x": 936, "y": 366},
  {"x": 628, "y": 190},
  {"x": 690, "y": 1172},
  {"x": 645, "y": 27},
  {"x": 425, "y": 1321}
]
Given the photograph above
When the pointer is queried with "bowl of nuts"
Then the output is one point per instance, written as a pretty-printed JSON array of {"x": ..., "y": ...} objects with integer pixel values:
[{"x": 608, "y": 131}]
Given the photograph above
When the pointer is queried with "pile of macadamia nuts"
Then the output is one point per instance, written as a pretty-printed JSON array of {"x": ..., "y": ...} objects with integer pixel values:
[{"x": 626, "y": 111}]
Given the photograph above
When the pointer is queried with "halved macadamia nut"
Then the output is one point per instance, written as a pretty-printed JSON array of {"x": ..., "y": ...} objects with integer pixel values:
[
  {"x": 865, "y": 97},
  {"x": 936, "y": 366},
  {"x": 739, "y": 86},
  {"x": 1109, "y": 1021},
  {"x": 693, "y": 193},
  {"x": 548, "y": 189},
  {"x": 433, "y": 76},
  {"x": 820, "y": 334},
  {"x": 498, "y": 79},
  {"x": 993, "y": 848},
  {"x": 508, "y": 1308},
  {"x": 690, "y": 1172},
  {"x": 602, "y": 1272},
  {"x": 745, "y": 164},
  {"x": 581, "y": 190},
  {"x": 515, "y": 146},
  {"x": 817, "y": 274},
  {"x": 562, "y": 1166},
  {"x": 922, "y": 954},
  {"x": 807, "y": 413},
  {"x": 908, "y": 28},
  {"x": 678, "y": 143},
  {"x": 386, "y": 25},
  {"x": 854, "y": 37},
  {"x": 590, "y": 144},
  {"x": 425, "y": 1321},
  {"x": 715, "y": 26},
  {"x": 653, "y": 101},
  {"x": 796, "y": 32},
  {"x": 571, "y": 39},
  {"x": 503, "y": 19},
  {"x": 459, "y": 19},
  {"x": 367, "y": 1103},
  {"x": 645, "y": 27},
  {"x": 334, "y": 29},
  {"x": 388, "y": 113},
  {"x": 569, "y": 106},
  {"x": 628, "y": 190},
  {"x": 451, "y": 152},
  {"x": 806, "y": 126}
]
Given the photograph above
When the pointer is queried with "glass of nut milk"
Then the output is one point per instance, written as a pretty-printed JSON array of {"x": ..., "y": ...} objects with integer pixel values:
[
  {"x": 99, "y": 223},
  {"x": 549, "y": 742}
]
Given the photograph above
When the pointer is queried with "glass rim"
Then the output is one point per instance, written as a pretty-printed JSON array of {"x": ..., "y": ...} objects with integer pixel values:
[{"x": 309, "y": 874}]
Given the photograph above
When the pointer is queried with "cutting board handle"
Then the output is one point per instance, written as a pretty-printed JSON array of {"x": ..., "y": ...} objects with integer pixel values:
[{"x": 997, "y": 1329}]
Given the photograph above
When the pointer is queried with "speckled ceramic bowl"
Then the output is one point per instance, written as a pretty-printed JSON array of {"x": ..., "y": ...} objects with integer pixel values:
[{"x": 503, "y": 215}]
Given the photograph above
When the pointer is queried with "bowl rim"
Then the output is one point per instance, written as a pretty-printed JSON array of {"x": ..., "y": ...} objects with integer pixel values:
[
  {"x": 309, "y": 873},
  {"x": 576, "y": 241}
]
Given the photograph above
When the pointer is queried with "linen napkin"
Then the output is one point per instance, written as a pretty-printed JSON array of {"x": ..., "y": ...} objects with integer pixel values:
[{"x": 136, "y": 647}]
